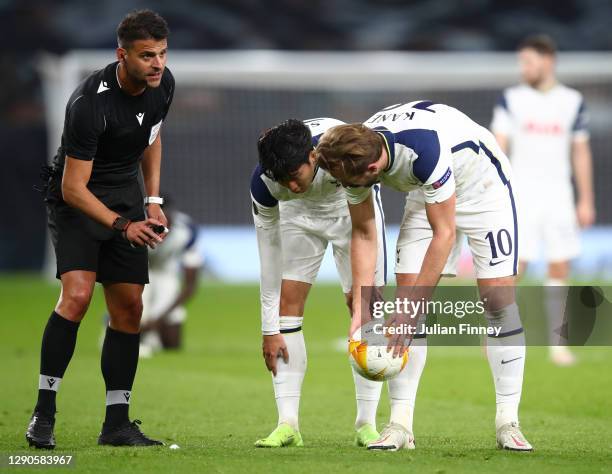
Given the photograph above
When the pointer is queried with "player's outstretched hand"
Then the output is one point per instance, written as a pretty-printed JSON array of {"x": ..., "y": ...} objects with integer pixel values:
[
  {"x": 274, "y": 347},
  {"x": 140, "y": 233},
  {"x": 400, "y": 338},
  {"x": 362, "y": 311}
]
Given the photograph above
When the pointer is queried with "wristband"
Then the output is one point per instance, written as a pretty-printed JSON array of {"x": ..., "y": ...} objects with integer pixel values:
[
  {"x": 154, "y": 200},
  {"x": 124, "y": 232},
  {"x": 121, "y": 223}
]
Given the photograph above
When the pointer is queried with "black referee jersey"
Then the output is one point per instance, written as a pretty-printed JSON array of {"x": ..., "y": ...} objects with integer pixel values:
[{"x": 110, "y": 127}]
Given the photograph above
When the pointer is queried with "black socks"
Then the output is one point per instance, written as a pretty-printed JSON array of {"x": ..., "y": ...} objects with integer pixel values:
[
  {"x": 119, "y": 362},
  {"x": 58, "y": 343}
]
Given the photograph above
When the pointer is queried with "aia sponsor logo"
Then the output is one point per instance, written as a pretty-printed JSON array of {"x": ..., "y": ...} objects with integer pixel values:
[{"x": 543, "y": 128}]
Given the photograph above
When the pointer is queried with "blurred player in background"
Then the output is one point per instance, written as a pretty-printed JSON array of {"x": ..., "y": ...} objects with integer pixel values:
[
  {"x": 543, "y": 125},
  {"x": 459, "y": 182},
  {"x": 97, "y": 220},
  {"x": 299, "y": 209},
  {"x": 173, "y": 280}
]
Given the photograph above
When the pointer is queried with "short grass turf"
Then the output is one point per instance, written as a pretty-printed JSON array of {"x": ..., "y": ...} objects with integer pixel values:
[{"x": 214, "y": 398}]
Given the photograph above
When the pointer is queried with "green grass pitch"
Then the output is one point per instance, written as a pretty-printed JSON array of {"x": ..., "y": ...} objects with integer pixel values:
[{"x": 215, "y": 397}]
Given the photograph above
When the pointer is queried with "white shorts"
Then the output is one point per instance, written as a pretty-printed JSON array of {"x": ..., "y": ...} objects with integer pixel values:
[
  {"x": 305, "y": 239},
  {"x": 159, "y": 294},
  {"x": 490, "y": 226},
  {"x": 551, "y": 228}
]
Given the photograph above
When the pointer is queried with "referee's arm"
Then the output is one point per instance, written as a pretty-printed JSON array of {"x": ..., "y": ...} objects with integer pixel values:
[
  {"x": 76, "y": 194},
  {"x": 151, "y": 166}
]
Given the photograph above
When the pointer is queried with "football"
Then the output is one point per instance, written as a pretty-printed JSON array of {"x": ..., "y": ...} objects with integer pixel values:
[{"x": 368, "y": 354}]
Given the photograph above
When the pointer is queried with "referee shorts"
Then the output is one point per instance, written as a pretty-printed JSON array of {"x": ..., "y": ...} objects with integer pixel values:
[{"x": 82, "y": 243}]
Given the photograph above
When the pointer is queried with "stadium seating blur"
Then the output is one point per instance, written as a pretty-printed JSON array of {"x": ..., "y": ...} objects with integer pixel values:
[{"x": 36, "y": 26}]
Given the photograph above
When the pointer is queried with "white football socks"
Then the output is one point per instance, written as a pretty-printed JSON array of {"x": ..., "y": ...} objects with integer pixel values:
[
  {"x": 289, "y": 376},
  {"x": 403, "y": 388},
  {"x": 506, "y": 355},
  {"x": 367, "y": 394}
]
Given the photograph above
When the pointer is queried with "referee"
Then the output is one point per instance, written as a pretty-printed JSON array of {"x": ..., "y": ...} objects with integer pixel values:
[{"x": 96, "y": 213}]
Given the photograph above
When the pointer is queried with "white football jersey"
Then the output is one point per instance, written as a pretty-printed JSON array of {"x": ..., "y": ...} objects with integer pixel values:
[
  {"x": 178, "y": 249},
  {"x": 437, "y": 150},
  {"x": 541, "y": 127},
  {"x": 324, "y": 198}
]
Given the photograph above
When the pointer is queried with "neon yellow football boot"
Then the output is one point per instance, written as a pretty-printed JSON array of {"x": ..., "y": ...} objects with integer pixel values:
[
  {"x": 365, "y": 435},
  {"x": 283, "y": 436}
]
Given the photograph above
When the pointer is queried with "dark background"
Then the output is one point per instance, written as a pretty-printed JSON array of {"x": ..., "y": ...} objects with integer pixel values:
[{"x": 200, "y": 184}]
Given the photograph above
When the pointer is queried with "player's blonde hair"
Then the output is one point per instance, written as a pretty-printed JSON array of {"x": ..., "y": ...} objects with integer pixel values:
[{"x": 348, "y": 149}]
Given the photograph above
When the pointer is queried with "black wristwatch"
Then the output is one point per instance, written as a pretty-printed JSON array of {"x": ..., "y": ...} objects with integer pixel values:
[{"x": 121, "y": 223}]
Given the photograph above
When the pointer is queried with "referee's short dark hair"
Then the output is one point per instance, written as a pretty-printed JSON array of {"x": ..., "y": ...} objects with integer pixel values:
[
  {"x": 541, "y": 43},
  {"x": 141, "y": 25}
]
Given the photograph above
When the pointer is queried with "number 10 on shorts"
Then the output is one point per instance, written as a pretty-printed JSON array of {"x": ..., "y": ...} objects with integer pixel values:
[{"x": 500, "y": 243}]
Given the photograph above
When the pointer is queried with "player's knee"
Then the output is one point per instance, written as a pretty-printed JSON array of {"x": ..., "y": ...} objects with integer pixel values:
[
  {"x": 133, "y": 308},
  {"x": 290, "y": 306},
  {"x": 74, "y": 302},
  {"x": 406, "y": 279},
  {"x": 506, "y": 320},
  {"x": 497, "y": 293}
]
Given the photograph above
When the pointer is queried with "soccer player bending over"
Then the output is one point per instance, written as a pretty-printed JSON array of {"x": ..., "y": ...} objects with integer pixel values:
[
  {"x": 544, "y": 125},
  {"x": 173, "y": 280},
  {"x": 459, "y": 183},
  {"x": 299, "y": 209},
  {"x": 97, "y": 220}
]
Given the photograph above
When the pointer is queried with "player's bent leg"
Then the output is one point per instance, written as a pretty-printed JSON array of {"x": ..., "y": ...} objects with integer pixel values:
[
  {"x": 289, "y": 375},
  {"x": 367, "y": 392},
  {"x": 367, "y": 395},
  {"x": 293, "y": 297},
  {"x": 404, "y": 387},
  {"x": 287, "y": 384},
  {"x": 160, "y": 330},
  {"x": 57, "y": 348},
  {"x": 506, "y": 356},
  {"x": 555, "y": 299},
  {"x": 402, "y": 391},
  {"x": 171, "y": 335},
  {"x": 119, "y": 362}
]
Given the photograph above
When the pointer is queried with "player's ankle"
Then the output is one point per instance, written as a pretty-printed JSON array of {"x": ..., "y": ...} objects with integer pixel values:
[
  {"x": 361, "y": 423},
  {"x": 506, "y": 413},
  {"x": 291, "y": 423}
]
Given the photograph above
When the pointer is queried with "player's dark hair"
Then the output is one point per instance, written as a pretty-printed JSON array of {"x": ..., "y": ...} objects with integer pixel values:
[
  {"x": 284, "y": 148},
  {"x": 141, "y": 25},
  {"x": 542, "y": 44}
]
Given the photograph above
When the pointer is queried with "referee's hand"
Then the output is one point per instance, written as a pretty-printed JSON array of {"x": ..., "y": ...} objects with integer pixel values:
[{"x": 140, "y": 233}]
